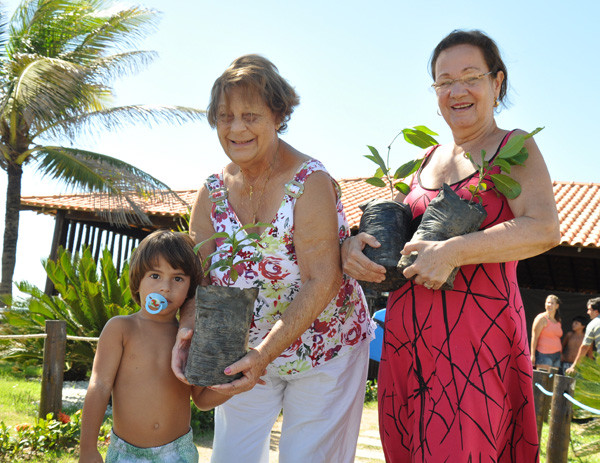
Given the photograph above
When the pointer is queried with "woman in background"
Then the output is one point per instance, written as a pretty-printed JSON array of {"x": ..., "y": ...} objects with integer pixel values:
[{"x": 546, "y": 334}]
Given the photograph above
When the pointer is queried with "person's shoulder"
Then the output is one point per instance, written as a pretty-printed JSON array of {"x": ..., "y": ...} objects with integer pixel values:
[{"x": 119, "y": 323}]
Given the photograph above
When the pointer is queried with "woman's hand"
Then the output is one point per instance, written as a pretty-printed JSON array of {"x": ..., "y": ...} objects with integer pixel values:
[
  {"x": 252, "y": 366},
  {"x": 433, "y": 265},
  {"x": 356, "y": 264},
  {"x": 180, "y": 352}
]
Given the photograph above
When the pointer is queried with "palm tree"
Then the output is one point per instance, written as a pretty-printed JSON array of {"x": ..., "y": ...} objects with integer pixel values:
[{"x": 58, "y": 59}]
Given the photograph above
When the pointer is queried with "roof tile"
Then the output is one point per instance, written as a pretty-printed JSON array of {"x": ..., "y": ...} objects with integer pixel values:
[{"x": 578, "y": 206}]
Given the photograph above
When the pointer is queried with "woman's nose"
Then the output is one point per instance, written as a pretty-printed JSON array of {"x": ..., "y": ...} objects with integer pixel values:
[{"x": 238, "y": 124}]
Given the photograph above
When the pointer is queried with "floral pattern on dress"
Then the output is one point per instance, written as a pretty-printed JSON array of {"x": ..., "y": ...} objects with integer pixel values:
[{"x": 342, "y": 325}]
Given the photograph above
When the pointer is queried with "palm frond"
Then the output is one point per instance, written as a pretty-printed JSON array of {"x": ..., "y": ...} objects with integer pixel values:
[
  {"x": 49, "y": 89},
  {"x": 106, "y": 68},
  {"x": 106, "y": 30},
  {"x": 123, "y": 188},
  {"x": 3, "y": 33},
  {"x": 117, "y": 117},
  {"x": 42, "y": 26}
]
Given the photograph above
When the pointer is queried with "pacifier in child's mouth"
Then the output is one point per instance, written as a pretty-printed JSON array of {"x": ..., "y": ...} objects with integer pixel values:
[{"x": 155, "y": 303}]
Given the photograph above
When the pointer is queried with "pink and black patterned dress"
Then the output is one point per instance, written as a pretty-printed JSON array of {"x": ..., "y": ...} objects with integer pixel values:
[
  {"x": 343, "y": 325},
  {"x": 455, "y": 379}
]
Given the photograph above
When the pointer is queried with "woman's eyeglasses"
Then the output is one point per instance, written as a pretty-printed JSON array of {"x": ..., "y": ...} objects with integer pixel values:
[{"x": 443, "y": 86}]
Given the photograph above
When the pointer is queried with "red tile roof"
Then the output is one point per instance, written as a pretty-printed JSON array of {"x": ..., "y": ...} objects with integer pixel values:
[
  {"x": 579, "y": 213},
  {"x": 578, "y": 206}
]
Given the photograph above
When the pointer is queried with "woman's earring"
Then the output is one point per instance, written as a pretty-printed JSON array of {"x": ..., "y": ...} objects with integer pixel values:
[
  {"x": 496, "y": 104},
  {"x": 439, "y": 113}
]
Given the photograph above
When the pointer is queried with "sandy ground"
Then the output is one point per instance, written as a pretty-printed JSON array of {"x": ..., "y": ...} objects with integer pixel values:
[{"x": 368, "y": 449}]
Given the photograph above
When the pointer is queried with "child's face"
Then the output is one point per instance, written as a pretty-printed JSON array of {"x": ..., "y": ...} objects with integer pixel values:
[
  {"x": 163, "y": 279},
  {"x": 576, "y": 326}
]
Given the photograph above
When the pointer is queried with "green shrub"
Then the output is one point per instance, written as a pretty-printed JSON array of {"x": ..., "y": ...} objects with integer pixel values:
[
  {"x": 371, "y": 391},
  {"x": 202, "y": 422},
  {"x": 88, "y": 296}
]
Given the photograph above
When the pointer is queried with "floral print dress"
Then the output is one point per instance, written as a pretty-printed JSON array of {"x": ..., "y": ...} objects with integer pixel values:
[{"x": 342, "y": 325}]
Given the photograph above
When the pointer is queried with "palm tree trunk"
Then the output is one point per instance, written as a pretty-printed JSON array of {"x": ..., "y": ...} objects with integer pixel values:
[{"x": 11, "y": 224}]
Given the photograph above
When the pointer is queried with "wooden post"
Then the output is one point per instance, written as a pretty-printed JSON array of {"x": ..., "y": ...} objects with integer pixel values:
[
  {"x": 542, "y": 401},
  {"x": 54, "y": 364},
  {"x": 559, "y": 428},
  {"x": 552, "y": 372}
]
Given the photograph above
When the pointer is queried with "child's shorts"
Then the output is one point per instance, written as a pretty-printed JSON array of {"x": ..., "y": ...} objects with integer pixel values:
[{"x": 181, "y": 450}]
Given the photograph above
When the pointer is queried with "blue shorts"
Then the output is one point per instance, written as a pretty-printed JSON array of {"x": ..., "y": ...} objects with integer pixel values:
[
  {"x": 547, "y": 359},
  {"x": 181, "y": 450}
]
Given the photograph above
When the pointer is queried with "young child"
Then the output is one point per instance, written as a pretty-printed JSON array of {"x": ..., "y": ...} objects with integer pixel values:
[
  {"x": 572, "y": 341},
  {"x": 151, "y": 407}
]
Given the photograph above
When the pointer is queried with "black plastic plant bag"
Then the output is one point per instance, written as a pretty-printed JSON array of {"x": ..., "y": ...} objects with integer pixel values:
[
  {"x": 389, "y": 222},
  {"x": 223, "y": 318},
  {"x": 446, "y": 216}
]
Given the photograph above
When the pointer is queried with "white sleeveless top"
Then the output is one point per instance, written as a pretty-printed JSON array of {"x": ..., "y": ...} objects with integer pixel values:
[{"x": 343, "y": 324}]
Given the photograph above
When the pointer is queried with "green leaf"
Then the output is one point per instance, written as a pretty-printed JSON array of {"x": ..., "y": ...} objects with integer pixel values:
[
  {"x": 512, "y": 147},
  {"x": 506, "y": 185},
  {"x": 376, "y": 182},
  {"x": 425, "y": 129},
  {"x": 408, "y": 168},
  {"x": 402, "y": 187},
  {"x": 376, "y": 158},
  {"x": 378, "y": 173},
  {"x": 419, "y": 138},
  {"x": 519, "y": 158},
  {"x": 503, "y": 164},
  {"x": 534, "y": 132},
  {"x": 473, "y": 189}
]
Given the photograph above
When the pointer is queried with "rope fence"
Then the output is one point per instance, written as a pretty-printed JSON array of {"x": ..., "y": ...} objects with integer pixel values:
[
  {"x": 55, "y": 344},
  {"x": 571, "y": 399},
  {"x": 44, "y": 335}
]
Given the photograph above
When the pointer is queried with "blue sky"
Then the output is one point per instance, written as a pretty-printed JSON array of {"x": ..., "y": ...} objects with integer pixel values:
[{"x": 361, "y": 69}]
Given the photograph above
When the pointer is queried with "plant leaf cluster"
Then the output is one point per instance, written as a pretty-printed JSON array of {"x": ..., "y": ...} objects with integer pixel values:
[
  {"x": 513, "y": 153},
  {"x": 419, "y": 136},
  {"x": 45, "y": 435},
  {"x": 235, "y": 247},
  {"x": 89, "y": 294}
]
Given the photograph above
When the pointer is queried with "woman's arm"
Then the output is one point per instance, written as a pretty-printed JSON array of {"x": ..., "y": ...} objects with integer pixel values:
[
  {"x": 200, "y": 229},
  {"x": 318, "y": 252},
  {"x": 534, "y": 230},
  {"x": 539, "y": 324},
  {"x": 355, "y": 263},
  {"x": 106, "y": 363}
]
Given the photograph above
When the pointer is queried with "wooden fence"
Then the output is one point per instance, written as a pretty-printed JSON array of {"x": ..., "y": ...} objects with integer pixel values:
[{"x": 55, "y": 344}]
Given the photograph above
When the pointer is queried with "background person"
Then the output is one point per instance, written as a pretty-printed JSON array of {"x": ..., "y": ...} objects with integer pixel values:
[
  {"x": 546, "y": 334},
  {"x": 592, "y": 334},
  {"x": 572, "y": 342},
  {"x": 311, "y": 328},
  {"x": 455, "y": 375}
]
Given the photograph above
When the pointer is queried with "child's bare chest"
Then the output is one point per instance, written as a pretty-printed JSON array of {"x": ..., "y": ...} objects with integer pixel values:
[{"x": 147, "y": 356}]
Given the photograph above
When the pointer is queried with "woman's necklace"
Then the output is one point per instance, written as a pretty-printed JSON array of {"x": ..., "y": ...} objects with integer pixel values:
[{"x": 247, "y": 185}]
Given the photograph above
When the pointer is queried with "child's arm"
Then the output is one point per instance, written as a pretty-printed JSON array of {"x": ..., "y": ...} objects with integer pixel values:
[
  {"x": 106, "y": 363},
  {"x": 207, "y": 399}
]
